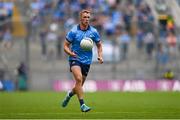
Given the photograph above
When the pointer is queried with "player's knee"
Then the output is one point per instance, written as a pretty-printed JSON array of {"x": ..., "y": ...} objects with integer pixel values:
[{"x": 79, "y": 80}]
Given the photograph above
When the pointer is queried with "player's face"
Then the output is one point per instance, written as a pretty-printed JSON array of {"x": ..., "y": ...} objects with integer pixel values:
[{"x": 85, "y": 18}]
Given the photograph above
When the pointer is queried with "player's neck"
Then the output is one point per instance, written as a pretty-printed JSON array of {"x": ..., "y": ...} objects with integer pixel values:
[{"x": 84, "y": 27}]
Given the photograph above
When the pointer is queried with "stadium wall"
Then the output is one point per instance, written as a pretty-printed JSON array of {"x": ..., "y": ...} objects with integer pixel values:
[{"x": 121, "y": 85}]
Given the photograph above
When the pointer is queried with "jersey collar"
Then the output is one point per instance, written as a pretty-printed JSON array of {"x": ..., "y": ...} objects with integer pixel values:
[{"x": 78, "y": 27}]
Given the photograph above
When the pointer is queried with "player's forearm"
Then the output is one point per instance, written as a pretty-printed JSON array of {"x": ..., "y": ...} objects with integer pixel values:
[
  {"x": 99, "y": 50},
  {"x": 67, "y": 50}
]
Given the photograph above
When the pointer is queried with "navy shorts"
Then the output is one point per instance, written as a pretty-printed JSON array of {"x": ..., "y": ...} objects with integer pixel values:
[{"x": 84, "y": 68}]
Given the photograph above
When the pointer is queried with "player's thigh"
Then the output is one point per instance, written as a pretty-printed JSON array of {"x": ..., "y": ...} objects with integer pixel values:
[{"x": 76, "y": 70}]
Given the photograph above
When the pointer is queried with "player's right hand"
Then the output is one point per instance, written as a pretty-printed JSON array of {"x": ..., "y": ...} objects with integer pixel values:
[{"x": 73, "y": 54}]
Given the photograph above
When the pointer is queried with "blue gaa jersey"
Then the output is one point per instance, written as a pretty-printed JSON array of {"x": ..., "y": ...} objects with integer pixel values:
[{"x": 74, "y": 36}]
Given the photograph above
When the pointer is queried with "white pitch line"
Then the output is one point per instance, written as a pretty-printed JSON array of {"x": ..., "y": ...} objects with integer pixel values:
[{"x": 77, "y": 113}]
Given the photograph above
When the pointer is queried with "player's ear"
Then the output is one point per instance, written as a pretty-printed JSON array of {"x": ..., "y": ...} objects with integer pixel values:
[{"x": 80, "y": 17}]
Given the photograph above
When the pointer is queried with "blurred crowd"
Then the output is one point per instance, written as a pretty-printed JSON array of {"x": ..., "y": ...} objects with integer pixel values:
[
  {"x": 110, "y": 17},
  {"x": 6, "y": 13},
  {"x": 108, "y": 14}
]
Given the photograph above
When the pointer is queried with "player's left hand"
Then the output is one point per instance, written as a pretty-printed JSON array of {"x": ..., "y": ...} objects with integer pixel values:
[{"x": 100, "y": 59}]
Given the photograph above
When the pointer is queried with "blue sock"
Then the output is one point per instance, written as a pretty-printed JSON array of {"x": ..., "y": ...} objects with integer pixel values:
[
  {"x": 81, "y": 101},
  {"x": 71, "y": 94}
]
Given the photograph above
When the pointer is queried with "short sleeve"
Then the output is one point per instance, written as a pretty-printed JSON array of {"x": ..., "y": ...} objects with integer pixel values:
[
  {"x": 96, "y": 36},
  {"x": 70, "y": 36}
]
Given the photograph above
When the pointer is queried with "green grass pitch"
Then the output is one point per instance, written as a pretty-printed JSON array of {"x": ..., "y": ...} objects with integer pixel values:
[{"x": 105, "y": 105}]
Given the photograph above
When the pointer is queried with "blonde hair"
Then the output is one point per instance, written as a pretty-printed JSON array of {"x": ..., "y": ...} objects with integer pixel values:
[{"x": 84, "y": 11}]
